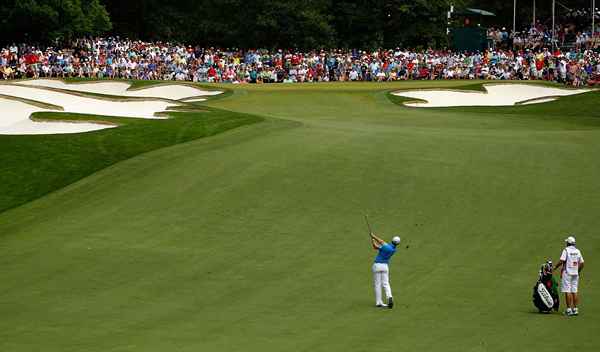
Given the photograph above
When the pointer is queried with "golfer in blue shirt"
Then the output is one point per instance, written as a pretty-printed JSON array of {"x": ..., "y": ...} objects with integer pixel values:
[{"x": 381, "y": 273}]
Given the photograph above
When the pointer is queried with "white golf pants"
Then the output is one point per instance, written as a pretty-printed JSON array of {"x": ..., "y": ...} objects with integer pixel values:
[{"x": 381, "y": 279}]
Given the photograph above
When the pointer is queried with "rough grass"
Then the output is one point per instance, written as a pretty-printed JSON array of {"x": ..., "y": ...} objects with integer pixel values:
[
  {"x": 254, "y": 239},
  {"x": 36, "y": 165}
]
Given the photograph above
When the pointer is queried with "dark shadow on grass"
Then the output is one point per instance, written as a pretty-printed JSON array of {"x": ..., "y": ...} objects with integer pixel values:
[
  {"x": 35, "y": 165},
  {"x": 544, "y": 315}
]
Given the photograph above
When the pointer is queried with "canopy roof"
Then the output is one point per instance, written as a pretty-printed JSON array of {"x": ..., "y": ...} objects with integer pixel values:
[{"x": 470, "y": 12}]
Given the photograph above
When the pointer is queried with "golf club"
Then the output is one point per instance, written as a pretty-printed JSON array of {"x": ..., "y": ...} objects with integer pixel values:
[
  {"x": 371, "y": 230},
  {"x": 368, "y": 225}
]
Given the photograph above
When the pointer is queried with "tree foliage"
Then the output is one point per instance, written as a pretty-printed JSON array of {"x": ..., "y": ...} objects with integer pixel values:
[
  {"x": 250, "y": 24},
  {"x": 284, "y": 23},
  {"x": 48, "y": 20},
  {"x": 524, "y": 10}
]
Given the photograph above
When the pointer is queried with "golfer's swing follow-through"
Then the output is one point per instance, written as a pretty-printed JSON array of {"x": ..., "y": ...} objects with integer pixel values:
[{"x": 381, "y": 278}]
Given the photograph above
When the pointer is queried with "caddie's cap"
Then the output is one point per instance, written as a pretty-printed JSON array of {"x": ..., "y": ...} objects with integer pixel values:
[{"x": 570, "y": 240}]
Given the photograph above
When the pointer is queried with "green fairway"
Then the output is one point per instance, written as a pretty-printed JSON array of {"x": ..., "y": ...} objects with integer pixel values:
[
  {"x": 254, "y": 239},
  {"x": 36, "y": 165}
]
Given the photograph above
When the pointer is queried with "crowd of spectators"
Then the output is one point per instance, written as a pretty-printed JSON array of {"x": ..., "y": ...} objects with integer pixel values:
[
  {"x": 572, "y": 30},
  {"x": 540, "y": 36},
  {"x": 125, "y": 59}
]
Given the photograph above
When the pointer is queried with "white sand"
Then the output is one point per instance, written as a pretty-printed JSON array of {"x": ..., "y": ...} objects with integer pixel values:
[
  {"x": 165, "y": 91},
  {"x": 14, "y": 116},
  {"x": 194, "y": 100},
  {"x": 497, "y": 95},
  {"x": 14, "y": 119},
  {"x": 538, "y": 101},
  {"x": 85, "y": 105}
]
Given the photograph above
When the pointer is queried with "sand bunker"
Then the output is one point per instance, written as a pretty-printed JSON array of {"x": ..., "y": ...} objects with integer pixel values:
[
  {"x": 14, "y": 119},
  {"x": 538, "y": 101},
  {"x": 87, "y": 105},
  {"x": 194, "y": 100},
  {"x": 19, "y": 100},
  {"x": 164, "y": 91},
  {"x": 496, "y": 95}
]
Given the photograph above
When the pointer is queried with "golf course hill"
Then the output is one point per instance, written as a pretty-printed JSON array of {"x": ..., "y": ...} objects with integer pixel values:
[{"x": 139, "y": 216}]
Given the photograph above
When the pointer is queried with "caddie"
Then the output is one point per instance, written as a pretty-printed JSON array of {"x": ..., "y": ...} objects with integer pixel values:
[{"x": 571, "y": 262}]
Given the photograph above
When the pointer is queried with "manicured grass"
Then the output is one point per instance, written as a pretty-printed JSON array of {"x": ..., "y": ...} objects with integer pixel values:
[
  {"x": 254, "y": 239},
  {"x": 36, "y": 165}
]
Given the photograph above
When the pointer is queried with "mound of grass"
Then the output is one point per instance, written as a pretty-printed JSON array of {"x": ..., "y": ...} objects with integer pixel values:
[
  {"x": 255, "y": 240},
  {"x": 576, "y": 111},
  {"x": 36, "y": 165}
]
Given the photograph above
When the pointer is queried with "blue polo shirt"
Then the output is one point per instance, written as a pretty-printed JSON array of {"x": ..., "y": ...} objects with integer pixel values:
[{"x": 385, "y": 253}]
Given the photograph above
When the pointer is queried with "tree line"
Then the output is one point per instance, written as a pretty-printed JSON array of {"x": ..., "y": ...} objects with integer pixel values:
[{"x": 244, "y": 24}]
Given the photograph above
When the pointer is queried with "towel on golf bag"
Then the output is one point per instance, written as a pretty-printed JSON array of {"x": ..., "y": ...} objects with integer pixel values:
[{"x": 545, "y": 290}]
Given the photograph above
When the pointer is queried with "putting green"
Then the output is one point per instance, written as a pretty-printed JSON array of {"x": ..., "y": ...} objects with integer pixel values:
[{"x": 254, "y": 239}]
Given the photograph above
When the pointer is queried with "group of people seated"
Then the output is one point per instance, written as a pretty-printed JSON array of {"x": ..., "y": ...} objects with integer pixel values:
[
  {"x": 572, "y": 29},
  {"x": 116, "y": 58},
  {"x": 538, "y": 36}
]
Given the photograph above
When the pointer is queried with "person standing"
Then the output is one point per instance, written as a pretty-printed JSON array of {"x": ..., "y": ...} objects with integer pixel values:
[
  {"x": 381, "y": 278},
  {"x": 571, "y": 262}
]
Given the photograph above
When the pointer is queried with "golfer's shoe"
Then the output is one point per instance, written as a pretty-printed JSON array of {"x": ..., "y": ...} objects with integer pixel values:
[
  {"x": 575, "y": 311},
  {"x": 568, "y": 312},
  {"x": 381, "y": 305},
  {"x": 390, "y": 303}
]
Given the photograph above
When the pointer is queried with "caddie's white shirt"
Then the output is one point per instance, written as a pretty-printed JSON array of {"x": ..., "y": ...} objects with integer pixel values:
[{"x": 572, "y": 257}]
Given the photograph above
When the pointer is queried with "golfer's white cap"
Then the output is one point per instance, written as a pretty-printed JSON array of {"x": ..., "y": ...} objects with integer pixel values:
[
  {"x": 570, "y": 240},
  {"x": 396, "y": 240}
]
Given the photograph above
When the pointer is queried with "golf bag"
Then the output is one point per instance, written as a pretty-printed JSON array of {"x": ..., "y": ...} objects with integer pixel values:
[{"x": 545, "y": 290}]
